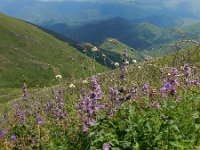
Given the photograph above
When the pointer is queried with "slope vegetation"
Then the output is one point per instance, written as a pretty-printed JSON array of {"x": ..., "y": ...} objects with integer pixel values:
[{"x": 27, "y": 54}]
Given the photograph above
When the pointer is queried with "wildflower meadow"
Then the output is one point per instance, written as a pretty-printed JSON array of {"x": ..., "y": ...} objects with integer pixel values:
[{"x": 135, "y": 107}]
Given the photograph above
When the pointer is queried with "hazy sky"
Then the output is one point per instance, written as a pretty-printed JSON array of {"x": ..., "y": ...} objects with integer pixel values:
[{"x": 168, "y": 3}]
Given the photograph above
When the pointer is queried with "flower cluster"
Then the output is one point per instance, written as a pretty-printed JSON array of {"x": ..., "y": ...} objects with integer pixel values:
[
  {"x": 56, "y": 109},
  {"x": 124, "y": 64},
  {"x": 89, "y": 105}
]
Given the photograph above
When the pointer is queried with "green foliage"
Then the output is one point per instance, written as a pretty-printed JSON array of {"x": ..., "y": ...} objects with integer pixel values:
[{"x": 173, "y": 126}]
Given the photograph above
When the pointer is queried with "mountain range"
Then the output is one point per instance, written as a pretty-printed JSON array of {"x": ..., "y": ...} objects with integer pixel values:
[{"x": 139, "y": 36}]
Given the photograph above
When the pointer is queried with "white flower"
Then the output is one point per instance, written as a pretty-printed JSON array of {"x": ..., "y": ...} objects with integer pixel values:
[
  {"x": 58, "y": 76},
  {"x": 72, "y": 86},
  {"x": 126, "y": 62},
  {"x": 134, "y": 61},
  {"x": 139, "y": 67},
  {"x": 85, "y": 82},
  {"x": 116, "y": 64},
  {"x": 94, "y": 49}
]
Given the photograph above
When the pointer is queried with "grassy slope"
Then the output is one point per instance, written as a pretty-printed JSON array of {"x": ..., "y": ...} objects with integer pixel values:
[
  {"x": 27, "y": 54},
  {"x": 114, "y": 50},
  {"x": 150, "y": 70},
  {"x": 192, "y": 28},
  {"x": 192, "y": 31}
]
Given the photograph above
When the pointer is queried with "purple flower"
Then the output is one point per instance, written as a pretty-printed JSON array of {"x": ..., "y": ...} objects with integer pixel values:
[
  {"x": 122, "y": 77},
  {"x": 173, "y": 72},
  {"x": 19, "y": 114},
  {"x": 24, "y": 90},
  {"x": 156, "y": 105},
  {"x": 92, "y": 95},
  {"x": 13, "y": 138},
  {"x": 56, "y": 108},
  {"x": 187, "y": 70},
  {"x": 144, "y": 93},
  {"x": 2, "y": 132},
  {"x": 166, "y": 86},
  {"x": 84, "y": 128},
  {"x": 89, "y": 111},
  {"x": 83, "y": 94},
  {"x": 173, "y": 91},
  {"x": 124, "y": 65},
  {"x": 144, "y": 86},
  {"x": 38, "y": 120},
  {"x": 88, "y": 105},
  {"x": 90, "y": 122},
  {"x": 178, "y": 98},
  {"x": 153, "y": 93},
  {"x": 33, "y": 140},
  {"x": 132, "y": 90},
  {"x": 196, "y": 82},
  {"x": 95, "y": 89},
  {"x": 113, "y": 94},
  {"x": 124, "y": 55},
  {"x": 106, "y": 146},
  {"x": 128, "y": 97},
  {"x": 122, "y": 89},
  {"x": 121, "y": 98}
]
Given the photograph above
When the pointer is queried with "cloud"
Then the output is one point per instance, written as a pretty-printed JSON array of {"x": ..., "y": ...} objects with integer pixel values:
[
  {"x": 99, "y": 1},
  {"x": 192, "y": 5},
  {"x": 71, "y": 0},
  {"x": 173, "y": 3},
  {"x": 169, "y": 3}
]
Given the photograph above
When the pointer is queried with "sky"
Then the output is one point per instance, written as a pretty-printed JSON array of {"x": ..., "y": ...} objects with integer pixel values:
[{"x": 167, "y": 3}]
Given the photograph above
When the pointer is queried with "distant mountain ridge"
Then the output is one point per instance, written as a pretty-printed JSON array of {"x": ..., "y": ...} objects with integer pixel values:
[
  {"x": 165, "y": 21},
  {"x": 140, "y": 36}
]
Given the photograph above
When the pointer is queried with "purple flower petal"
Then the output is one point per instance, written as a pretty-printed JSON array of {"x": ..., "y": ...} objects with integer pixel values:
[{"x": 106, "y": 146}]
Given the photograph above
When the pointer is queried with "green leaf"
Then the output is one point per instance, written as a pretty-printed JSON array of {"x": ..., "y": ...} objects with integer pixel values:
[
  {"x": 176, "y": 144},
  {"x": 175, "y": 128},
  {"x": 195, "y": 115},
  {"x": 158, "y": 137},
  {"x": 136, "y": 146}
]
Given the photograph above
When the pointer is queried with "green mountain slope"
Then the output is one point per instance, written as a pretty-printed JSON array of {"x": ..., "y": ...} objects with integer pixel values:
[
  {"x": 150, "y": 70},
  {"x": 114, "y": 48},
  {"x": 192, "y": 31},
  {"x": 109, "y": 52},
  {"x": 27, "y": 54}
]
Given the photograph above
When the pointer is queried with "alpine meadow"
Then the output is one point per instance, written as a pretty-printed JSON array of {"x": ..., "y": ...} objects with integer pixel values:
[{"x": 99, "y": 75}]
